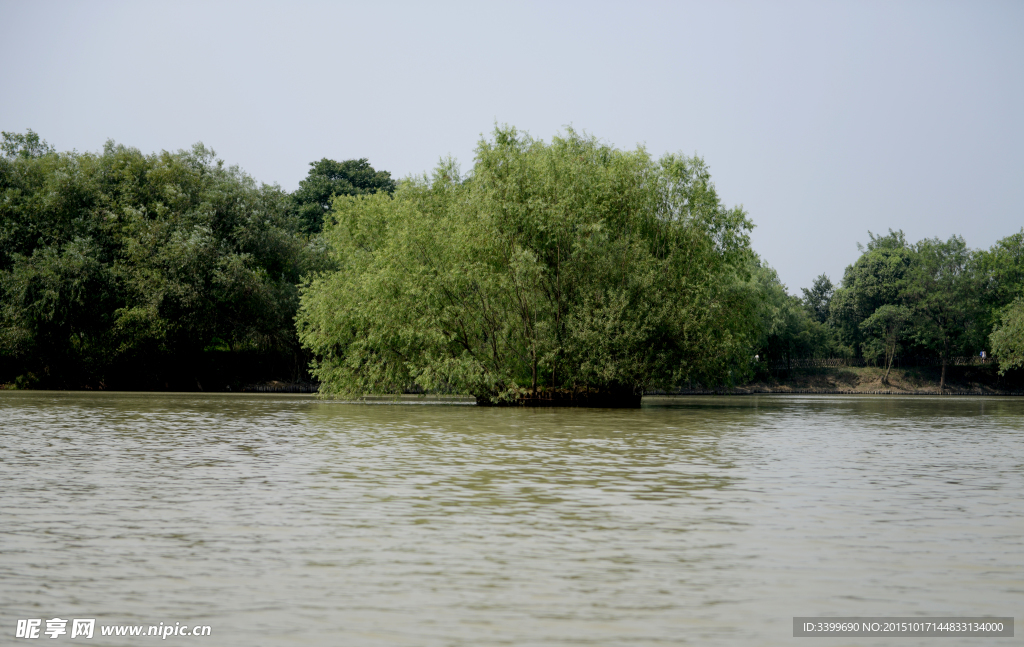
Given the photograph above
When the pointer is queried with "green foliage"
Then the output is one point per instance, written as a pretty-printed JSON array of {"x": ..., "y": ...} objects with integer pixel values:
[
  {"x": 569, "y": 265},
  {"x": 563, "y": 266},
  {"x": 123, "y": 264},
  {"x": 1007, "y": 338},
  {"x": 875, "y": 279},
  {"x": 26, "y": 145},
  {"x": 818, "y": 299},
  {"x": 1002, "y": 270},
  {"x": 1003, "y": 266},
  {"x": 327, "y": 179},
  {"x": 943, "y": 288},
  {"x": 885, "y": 329},
  {"x": 788, "y": 329},
  {"x": 935, "y": 297}
]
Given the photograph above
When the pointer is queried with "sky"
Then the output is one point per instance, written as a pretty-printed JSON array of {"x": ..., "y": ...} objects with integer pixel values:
[{"x": 824, "y": 120}]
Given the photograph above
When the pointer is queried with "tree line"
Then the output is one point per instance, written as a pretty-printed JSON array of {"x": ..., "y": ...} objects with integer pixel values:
[
  {"x": 931, "y": 299},
  {"x": 547, "y": 270},
  {"x": 124, "y": 270}
]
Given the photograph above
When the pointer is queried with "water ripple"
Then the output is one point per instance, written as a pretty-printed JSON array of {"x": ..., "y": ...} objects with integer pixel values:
[{"x": 713, "y": 521}]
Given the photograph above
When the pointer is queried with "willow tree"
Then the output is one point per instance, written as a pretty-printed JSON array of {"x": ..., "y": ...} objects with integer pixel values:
[{"x": 569, "y": 271}]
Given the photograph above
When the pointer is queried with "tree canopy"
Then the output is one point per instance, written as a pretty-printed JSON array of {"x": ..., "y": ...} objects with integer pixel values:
[
  {"x": 121, "y": 267},
  {"x": 1007, "y": 338},
  {"x": 551, "y": 267},
  {"x": 818, "y": 298},
  {"x": 547, "y": 271},
  {"x": 935, "y": 298},
  {"x": 942, "y": 288},
  {"x": 327, "y": 179}
]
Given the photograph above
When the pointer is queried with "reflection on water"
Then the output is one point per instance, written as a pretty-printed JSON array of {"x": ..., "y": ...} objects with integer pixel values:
[{"x": 703, "y": 521}]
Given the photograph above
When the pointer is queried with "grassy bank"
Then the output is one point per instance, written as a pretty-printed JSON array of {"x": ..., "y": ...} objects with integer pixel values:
[{"x": 959, "y": 379}]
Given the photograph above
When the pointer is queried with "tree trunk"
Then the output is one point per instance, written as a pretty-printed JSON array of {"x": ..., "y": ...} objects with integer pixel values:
[
  {"x": 534, "y": 353},
  {"x": 885, "y": 379},
  {"x": 945, "y": 356}
]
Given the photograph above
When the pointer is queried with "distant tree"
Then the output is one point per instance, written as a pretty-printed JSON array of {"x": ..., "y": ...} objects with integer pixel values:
[
  {"x": 787, "y": 328},
  {"x": 1002, "y": 271},
  {"x": 943, "y": 288},
  {"x": 875, "y": 279},
  {"x": 327, "y": 179},
  {"x": 818, "y": 298},
  {"x": 1007, "y": 338},
  {"x": 887, "y": 326},
  {"x": 1003, "y": 263}
]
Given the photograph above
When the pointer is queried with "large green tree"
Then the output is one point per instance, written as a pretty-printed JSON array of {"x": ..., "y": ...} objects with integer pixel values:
[{"x": 552, "y": 268}]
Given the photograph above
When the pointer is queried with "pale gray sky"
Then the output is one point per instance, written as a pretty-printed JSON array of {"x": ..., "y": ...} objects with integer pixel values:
[{"x": 824, "y": 119}]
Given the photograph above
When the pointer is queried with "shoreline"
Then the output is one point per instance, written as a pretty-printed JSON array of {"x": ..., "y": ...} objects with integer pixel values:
[
  {"x": 839, "y": 380},
  {"x": 744, "y": 392},
  {"x": 466, "y": 400}
]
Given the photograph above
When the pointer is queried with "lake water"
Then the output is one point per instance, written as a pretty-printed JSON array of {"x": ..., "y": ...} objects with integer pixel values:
[{"x": 284, "y": 520}]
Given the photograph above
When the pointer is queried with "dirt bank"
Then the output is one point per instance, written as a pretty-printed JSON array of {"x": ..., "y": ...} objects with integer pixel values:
[{"x": 959, "y": 379}]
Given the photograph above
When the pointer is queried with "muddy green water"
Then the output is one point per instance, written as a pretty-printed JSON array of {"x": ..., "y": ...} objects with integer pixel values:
[{"x": 705, "y": 521}]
